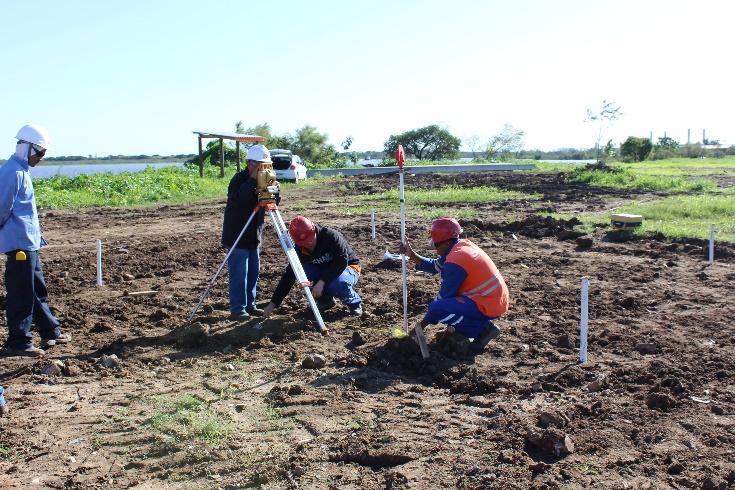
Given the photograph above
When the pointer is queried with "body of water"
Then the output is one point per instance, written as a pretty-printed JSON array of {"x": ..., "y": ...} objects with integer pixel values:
[{"x": 44, "y": 171}]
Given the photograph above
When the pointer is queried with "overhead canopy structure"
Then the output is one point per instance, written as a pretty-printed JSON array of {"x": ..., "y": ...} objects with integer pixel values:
[{"x": 236, "y": 137}]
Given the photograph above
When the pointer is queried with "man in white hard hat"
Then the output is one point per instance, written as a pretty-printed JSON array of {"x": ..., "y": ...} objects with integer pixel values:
[
  {"x": 243, "y": 264},
  {"x": 20, "y": 240}
]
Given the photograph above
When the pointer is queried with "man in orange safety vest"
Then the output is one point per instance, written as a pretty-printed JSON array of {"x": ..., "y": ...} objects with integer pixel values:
[{"x": 472, "y": 291}]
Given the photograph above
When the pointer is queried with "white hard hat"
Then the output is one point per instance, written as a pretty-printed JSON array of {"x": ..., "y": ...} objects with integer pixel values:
[
  {"x": 259, "y": 153},
  {"x": 33, "y": 133}
]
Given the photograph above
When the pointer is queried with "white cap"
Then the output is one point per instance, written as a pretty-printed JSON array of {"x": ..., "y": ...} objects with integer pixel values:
[
  {"x": 34, "y": 133},
  {"x": 259, "y": 153}
]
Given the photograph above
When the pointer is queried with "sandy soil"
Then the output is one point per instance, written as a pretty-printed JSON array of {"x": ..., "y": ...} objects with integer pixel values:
[{"x": 216, "y": 404}]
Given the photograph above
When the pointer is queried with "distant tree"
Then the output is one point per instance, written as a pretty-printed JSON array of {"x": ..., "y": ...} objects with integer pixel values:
[
  {"x": 427, "y": 143},
  {"x": 312, "y": 146},
  {"x": 506, "y": 143},
  {"x": 603, "y": 119},
  {"x": 347, "y": 143},
  {"x": 473, "y": 143},
  {"x": 665, "y": 148},
  {"x": 635, "y": 149},
  {"x": 609, "y": 151}
]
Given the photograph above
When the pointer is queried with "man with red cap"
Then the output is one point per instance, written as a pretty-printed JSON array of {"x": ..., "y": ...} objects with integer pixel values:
[
  {"x": 328, "y": 261},
  {"x": 472, "y": 291}
]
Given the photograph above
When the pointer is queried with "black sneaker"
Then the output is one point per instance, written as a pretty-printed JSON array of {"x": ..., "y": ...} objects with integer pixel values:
[
  {"x": 254, "y": 311},
  {"x": 356, "y": 310},
  {"x": 325, "y": 305},
  {"x": 480, "y": 342},
  {"x": 64, "y": 338},
  {"x": 238, "y": 317},
  {"x": 25, "y": 352}
]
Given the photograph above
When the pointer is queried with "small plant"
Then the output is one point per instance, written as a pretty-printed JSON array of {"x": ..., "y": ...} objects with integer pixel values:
[{"x": 7, "y": 453}]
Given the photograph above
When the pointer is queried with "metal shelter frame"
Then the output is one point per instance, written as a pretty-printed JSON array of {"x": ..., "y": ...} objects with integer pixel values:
[{"x": 236, "y": 137}]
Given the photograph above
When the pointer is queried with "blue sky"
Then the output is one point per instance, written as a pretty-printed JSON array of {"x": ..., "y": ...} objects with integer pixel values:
[{"x": 131, "y": 77}]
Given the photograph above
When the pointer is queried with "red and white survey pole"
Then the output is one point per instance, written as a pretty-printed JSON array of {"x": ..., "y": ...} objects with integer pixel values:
[
  {"x": 401, "y": 159},
  {"x": 419, "y": 330}
]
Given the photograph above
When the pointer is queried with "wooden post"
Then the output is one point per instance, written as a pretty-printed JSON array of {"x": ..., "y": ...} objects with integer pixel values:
[
  {"x": 201, "y": 158},
  {"x": 237, "y": 146},
  {"x": 221, "y": 157}
]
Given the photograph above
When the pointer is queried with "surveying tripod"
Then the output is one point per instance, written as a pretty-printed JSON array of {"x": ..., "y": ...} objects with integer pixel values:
[{"x": 267, "y": 188}]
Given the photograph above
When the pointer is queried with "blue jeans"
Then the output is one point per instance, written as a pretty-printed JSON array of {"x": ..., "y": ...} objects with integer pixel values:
[
  {"x": 27, "y": 300},
  {"x": 341, "y": 287},
  {"x": 244, "y": 268},
  {"x": 461, "y": 313}
]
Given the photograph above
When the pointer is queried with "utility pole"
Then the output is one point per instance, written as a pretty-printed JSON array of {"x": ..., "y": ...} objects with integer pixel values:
[
  {"x": 704, "y": 138},
  {"x": 689, "y": 136}
]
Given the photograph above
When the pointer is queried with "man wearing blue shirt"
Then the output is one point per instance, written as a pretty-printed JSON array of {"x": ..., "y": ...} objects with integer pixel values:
[{"x": 21, "y": 241}]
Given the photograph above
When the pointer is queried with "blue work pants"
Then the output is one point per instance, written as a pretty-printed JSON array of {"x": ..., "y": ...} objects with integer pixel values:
[
  {"x": 243, "y": 266},
  {"x": 459, "y": 312},
  {"x": 341, "y": 287},
  {"x": 26, "y": 300}
]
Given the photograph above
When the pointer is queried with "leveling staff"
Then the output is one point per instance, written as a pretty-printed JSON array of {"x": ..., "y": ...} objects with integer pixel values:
[
  {"x": 243, "y": 264},
  {"x": 472, "y": 291},
  {"x": 329, "y": 262},
  {"x": 21, "y": 241}
]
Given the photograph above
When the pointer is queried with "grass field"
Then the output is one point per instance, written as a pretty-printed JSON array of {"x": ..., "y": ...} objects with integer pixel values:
[
  {"x": 431, "y": 203},
  {"x": 673, "y": 217},
  {"x": 166, "y": 185}
]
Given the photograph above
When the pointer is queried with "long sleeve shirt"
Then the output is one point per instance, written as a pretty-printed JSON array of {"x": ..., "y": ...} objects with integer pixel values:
[
  {"x": 332, "y": 254},
  {"x": 452, "y": 274},
  {"x": 242, "y": 199},
  {"x": 19, "y": 227}
]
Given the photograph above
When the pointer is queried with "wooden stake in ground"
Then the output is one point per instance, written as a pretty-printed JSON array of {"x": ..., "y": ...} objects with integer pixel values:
[{"x": 420, "y": 338}]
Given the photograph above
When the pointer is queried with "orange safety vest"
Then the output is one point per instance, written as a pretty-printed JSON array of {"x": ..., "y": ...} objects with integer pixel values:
[{"x": 484, "y": 285}]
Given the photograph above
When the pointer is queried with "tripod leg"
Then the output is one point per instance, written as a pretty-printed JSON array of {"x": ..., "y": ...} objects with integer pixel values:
[
  {"x": 293, "y": 259},
  {"x": 216, "y": 274}
]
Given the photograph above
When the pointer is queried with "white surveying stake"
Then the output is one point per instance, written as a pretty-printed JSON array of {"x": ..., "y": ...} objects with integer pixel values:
[
  {"x": 420, "y": 337},
  {"x": 267, "y": 187}
]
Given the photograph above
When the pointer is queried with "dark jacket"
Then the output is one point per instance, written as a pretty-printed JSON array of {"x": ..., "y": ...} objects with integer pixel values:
[
  {"x": 241, "y": 201},
  {"x": 332, "y": 254}
]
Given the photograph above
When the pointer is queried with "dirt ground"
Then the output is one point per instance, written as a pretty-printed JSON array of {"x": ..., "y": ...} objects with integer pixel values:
[{"x": 143, "y": 399}]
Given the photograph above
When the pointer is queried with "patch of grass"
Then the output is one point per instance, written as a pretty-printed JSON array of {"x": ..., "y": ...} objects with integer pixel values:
[
  {"x": 673, "y": 217},
  {"x": 621, "y": 178},
  {"x": 687, "y": 216},
  {"x": 164, "y": 185},
  {"x": 359, "y": 424},
  {"x": 682, "y": 166},
  {"x": 445, "y": 195},
  {"x": 188, "y": 418},
  {"x": 7, "y": 453},
  {"x": 452, "y": 201}
]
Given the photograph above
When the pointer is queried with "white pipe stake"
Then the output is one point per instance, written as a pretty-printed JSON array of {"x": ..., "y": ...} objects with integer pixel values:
[
  {"x": 583, "y": 320},
  {"x": 372, "y": 223},
  {"x": 99, "y": 262},
  {"x": 711, "y": 244}
]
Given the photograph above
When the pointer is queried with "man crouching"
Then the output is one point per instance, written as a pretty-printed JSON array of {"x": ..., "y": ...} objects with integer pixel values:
[
  {"x": 472, "y": 291},
  {"x": 329, "y": 262}
]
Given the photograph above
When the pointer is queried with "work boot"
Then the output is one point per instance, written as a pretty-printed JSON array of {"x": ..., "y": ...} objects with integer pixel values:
[
  {"x": 480, "y": 342},
  {"x": 64, "y": 338},
  {"x": 24, "y": 352},
  {"x": 355, "y": 310},
  {"x": 255, "y": 311},
  {"x": 240, "y": 317},
  {"x": 325, "y": 305}
]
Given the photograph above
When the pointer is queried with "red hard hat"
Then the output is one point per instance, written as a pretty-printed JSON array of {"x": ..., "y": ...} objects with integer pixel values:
[
  {"x": 302, "y": 230},
  {"x": 443, "y": 229}
]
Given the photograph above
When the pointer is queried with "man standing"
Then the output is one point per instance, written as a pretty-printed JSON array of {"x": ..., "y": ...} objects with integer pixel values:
[
  {"x": 329, "y": 262},
  {"x": 472, "y": 291},
  {"x": 20, "y": 240},
  {"x": 244, "y": 262}
]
